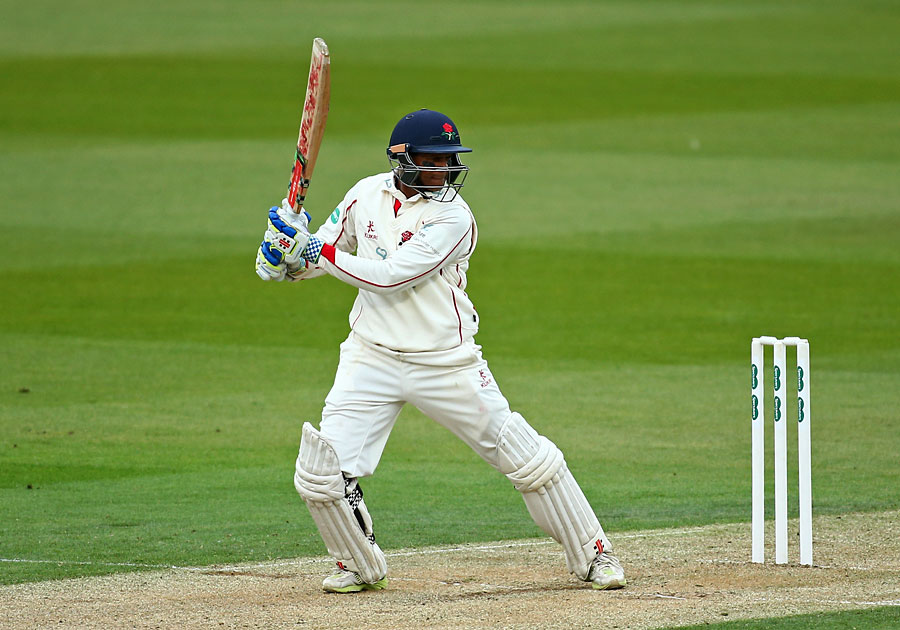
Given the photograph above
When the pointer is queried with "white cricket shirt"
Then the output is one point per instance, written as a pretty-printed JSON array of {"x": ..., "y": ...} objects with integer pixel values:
[{"x": 410, "y": 265}]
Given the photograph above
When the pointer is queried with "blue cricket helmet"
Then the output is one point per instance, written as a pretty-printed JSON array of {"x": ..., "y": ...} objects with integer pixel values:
[{"x": 427, "y": 131}]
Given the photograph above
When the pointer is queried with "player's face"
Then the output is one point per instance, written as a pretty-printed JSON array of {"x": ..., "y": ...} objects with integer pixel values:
[{"x": 434, "y": 179}]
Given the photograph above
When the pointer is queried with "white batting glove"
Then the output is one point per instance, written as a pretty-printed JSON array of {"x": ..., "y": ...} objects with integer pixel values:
[
  {"x": 270, "y": 263},
  {"x": 312, "y": 245},
  {"x": 279, "y": 255},
  {"x": 288, "y": 232}
]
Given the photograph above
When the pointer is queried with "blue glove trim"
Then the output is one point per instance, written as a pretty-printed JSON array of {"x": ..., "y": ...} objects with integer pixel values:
[
  {"x": 280, "y": 225},
  {"x": 274, "y": 256}
]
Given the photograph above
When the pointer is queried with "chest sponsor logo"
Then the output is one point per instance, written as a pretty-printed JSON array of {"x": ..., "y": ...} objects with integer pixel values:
[{"x": 371, "y": 234}]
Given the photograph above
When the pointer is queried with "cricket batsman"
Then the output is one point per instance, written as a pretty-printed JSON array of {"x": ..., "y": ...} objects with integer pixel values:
[{"x": 412, "y": 341}]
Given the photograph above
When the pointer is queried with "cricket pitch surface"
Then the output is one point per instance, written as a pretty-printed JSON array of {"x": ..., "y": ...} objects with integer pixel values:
[{"x": 675, "y": 577}]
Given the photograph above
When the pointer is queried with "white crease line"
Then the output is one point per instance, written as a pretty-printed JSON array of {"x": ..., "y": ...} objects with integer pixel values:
[
  {"x": 441, "y": 550},
  {"x": 424, "y": 552},
  {"x": 887, "y": 602},
  {"x": 138, "y": 565},
  {"x": 395, "y": 554},
  {"x": 295, "y": 562},
  {"x": 91, "y": 563},
  {"x": 498, "y": 587},
  {"x": 668, "y": 532}
]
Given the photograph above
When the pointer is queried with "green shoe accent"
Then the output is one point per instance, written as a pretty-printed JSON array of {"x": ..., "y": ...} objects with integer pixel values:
[
  {"x": 606, "y": 572},
  {"x": 357, "y": 587},
  {"x": 610, "y": 585}
]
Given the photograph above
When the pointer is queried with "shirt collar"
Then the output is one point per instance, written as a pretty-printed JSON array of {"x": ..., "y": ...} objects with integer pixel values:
[{"x": 391, "y": 188}]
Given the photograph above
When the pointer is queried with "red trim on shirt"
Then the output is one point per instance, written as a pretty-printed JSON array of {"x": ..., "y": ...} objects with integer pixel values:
[
  {"x": 472, "y": 244},
  {"x": 328, "y": 253},
  {"x": 344, "y": 222},
  {"x": 396, "y": 207},
  {"x": 458, "y": 317}
]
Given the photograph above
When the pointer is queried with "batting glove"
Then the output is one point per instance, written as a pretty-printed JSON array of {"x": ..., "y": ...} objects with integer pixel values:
[
  {"x": 278, "y": 256},
  {"x": 270, "y": 263},
  {"x": 300, "y": 243},
  {"x": 288, "y": 233}
]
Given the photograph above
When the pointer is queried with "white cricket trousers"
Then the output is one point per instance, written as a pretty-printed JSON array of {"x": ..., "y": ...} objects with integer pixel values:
[{"x": 453, "y": 387}]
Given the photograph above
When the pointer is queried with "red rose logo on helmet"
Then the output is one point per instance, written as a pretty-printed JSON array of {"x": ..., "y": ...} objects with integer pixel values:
[{"x": 448, "y": 131}]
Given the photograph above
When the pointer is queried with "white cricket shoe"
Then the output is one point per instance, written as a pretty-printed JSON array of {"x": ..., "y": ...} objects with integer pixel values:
[
  {"x": 606, "y": 572},
  {"x": 345, "y": 581}
]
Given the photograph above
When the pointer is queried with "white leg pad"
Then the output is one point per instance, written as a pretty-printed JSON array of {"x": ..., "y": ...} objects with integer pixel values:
[
  {"x": 537, "y": 469},
  {"x": 319, "y": 481}
]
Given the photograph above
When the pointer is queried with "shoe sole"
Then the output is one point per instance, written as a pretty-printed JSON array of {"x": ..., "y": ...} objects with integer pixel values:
[
  {"x": 356, "y": 588},
  {"x": 610, "y": 585}
]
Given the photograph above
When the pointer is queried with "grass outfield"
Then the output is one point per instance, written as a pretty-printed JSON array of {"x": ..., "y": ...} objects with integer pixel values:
[
  {"x": 875, "y": 619},
  {"x": 655, "y": 183}
]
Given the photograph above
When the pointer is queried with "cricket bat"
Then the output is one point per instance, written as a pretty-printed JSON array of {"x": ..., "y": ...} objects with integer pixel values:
[{"x": 312, "y": 124}]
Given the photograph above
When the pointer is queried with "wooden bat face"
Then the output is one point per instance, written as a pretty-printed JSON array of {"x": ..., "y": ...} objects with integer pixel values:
[{"x": 312, "y": 124}]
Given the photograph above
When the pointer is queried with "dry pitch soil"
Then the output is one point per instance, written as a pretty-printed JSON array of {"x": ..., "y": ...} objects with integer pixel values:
[{"x": 676, "y": 577}]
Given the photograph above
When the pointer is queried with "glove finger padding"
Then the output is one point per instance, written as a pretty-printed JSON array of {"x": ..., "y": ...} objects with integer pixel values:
[
  {"x": 269, "y": 263},
  {"x": 287, "y": 236},
  {"x": 281, "y": 254}
]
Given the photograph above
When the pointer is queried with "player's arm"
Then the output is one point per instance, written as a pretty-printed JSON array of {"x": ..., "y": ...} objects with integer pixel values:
[
  {"x": 443, "y": 240},
  {"x": 339, "y": 229},
  {"x": 280, "y": 254}
]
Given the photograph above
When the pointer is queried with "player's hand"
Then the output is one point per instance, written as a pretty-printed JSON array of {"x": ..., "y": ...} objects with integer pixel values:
[
  {"x": 288, "y": 233},
  {"x": 281, "y": 221},
  {"x": 296, "y": 272},
  {"x": 270, "y": 263}
]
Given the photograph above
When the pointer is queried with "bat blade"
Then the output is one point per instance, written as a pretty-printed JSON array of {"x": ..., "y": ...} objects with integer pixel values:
[{"x": 312, "y": 124}]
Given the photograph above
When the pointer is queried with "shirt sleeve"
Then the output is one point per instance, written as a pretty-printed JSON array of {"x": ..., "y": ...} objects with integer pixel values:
[
  {"x": 444, "y": 240},
  {"x": 338, "y": 229}
]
